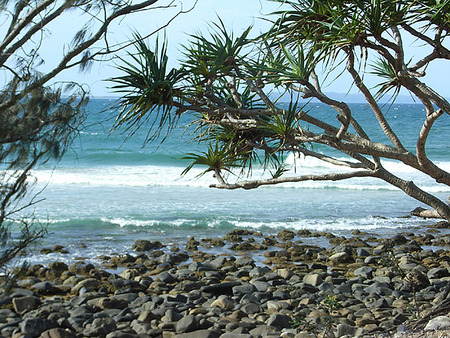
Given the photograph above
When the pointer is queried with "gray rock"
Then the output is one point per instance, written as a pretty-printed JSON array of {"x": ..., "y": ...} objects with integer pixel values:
[
  {"x": 362, "y": 252},
  {"x": 111, "y": 303},
  {"x": 438, "y": 273},
  {"x": 225, "y": 288},
  {"x": 140, "y": 327},
  {"x": 187, "y": 324},
  {"x": 45, "y": 288},
  {"x": 340, "y": 257},
  {"x": 121, "y": 334},
  {"x": 250, "y": 308},
  {"x": 58, "y": 333},
  {"x": 89, "y": 283},
  {"x": 438, "y": 323},
  {"x": 25, "y": 304},
  {"x": 100, "y": 327},
  {"x": 313, "y": 279},
  {"x": 145, "y": 245},
  {"x": 279, "y": 321},
  {"x": 166, "y": 277},
  {"x": 244, "y": 261},
  {"x": 261, "y": 285},
  {"x": 418, "y": 278},
  {"x": 200, "y": 333},
  {"x": 263, "y": 331},
  {"x": 365, "y": 272},
  {"x": 345, "y": 330},
  {"x": 240, "y": 290},
  {"x": 35, "y": 326}
]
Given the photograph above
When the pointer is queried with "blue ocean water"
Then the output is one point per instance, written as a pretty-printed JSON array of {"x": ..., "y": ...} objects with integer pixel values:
[{"x": 109, "y": 190}]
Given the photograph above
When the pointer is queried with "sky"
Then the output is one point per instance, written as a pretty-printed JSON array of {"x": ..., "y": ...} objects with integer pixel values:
[{"x": 236, "y": 14}]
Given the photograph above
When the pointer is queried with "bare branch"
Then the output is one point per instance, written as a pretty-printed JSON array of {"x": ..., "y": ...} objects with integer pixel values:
[
  {"x": 434, "y": 171},
  {"x": 272, "y": 181},
  {"x": 373, "y": 104}
]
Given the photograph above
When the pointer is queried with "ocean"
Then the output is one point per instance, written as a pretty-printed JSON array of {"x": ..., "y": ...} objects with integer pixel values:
[{"x": 110, "y": 190}]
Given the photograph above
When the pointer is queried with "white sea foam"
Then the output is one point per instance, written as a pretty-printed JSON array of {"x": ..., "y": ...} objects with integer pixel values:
[
  {"x": 153, "y": 175},
  {"x": 335, "y": 224}
]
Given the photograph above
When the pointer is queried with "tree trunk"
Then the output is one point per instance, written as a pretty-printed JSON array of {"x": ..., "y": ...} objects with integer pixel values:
[{"x": 414, "y": 191}]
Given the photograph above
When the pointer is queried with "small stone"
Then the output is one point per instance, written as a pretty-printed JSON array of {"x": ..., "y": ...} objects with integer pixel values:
[
  {"x": 340, "y": 257},
  {"x": 285, "y": 273},
  {"x": 145, "y": 245},
  {"x": 187, "y": 324},
  {"x": 279, "y": 321},
  {"x": 58, "y": 333},
  {"x": 438, "y": 323},
  {"x": 223, "y": 302},
  {"x": 25, "y": 304},
  {"x": 313, "y": 279}
]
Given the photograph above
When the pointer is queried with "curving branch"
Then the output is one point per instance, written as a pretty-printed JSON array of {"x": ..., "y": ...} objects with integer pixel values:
[
  {"x": 434, "y": 171},
  {"x": 373, "y": 104},
  {"x": 77, "y": 50},
  {"x": 272, "y": 181}
]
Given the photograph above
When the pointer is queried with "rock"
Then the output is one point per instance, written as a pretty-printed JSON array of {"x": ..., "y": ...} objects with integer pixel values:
[
  {"x": 438, "y": 273},
  {"x": 345, "y": 330},
  {"x": 166, "y": 277},
  {"x": 121, "y": 334},
  {"x": 340, "y": 258},
  {"x": 89, "y": 283},
  {"x": 425, "y": 213},
  {"x": 279, "y": 321},
  {"x": 285, "y": 235},
  {"x": 223, "y": 302},
  {"x": 187, "y": 324},
  {"x": 145, "y": 245},
  {"x": 285, "y": 273},
  {"x": 201, "y": 334},
  {"x": 25, "y": 304},
  {"x": 418, "y": 278},
  {"x": 35, "y": 326},
  {"x": 225, "y": 288},
  {"x": 111, "y": 303},
  {"x": 45, "y": 288},
  {"x": 240, "y": 290},
  {"x": 147, "y": 316},
  {"x": 250, "y": 308},
  {"x": 438, "y": 323},
  {"x": 365, "y": 272},
  {"x": 58, "y": 333},
  {"x": 313, "y": 279},
  {"x": 100, "y": 327},
  {"x": 81, "y": 268}
]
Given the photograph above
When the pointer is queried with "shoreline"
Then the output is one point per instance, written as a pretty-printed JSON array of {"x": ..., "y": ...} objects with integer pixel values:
[{"x": 362, "y": 285}]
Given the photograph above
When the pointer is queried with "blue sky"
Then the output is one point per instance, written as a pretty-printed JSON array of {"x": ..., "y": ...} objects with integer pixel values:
[{"x": 236, "y": 14}]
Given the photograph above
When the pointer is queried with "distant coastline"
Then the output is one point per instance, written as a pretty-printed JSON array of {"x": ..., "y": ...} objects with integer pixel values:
[{"x": 349, "y": 98}]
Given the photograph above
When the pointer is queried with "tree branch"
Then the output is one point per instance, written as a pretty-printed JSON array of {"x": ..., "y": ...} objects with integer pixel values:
[
  {"x": 434, "y": 171},
  {"x": 272, "y": 181}
]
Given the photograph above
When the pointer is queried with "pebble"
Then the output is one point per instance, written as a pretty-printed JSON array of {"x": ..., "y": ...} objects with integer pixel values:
[{"x": 302, "y": 291}]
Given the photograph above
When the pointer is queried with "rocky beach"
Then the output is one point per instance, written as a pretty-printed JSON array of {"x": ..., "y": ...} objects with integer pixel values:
[{"x": 271, "y": 286}]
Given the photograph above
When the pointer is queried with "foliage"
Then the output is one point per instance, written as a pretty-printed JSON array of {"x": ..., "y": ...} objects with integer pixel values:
[
  {"x": 234, "y": 86},
  {"x": 40, "y": 116}
]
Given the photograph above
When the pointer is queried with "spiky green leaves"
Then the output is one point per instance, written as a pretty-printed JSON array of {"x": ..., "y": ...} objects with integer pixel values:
[
  {"x": 214, "y": 56},
  {"x": 218, "y": 157},
  {"x": 147, "y": 87}
]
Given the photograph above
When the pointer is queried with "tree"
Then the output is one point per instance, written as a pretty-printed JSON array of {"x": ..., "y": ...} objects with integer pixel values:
[
  {"x": 39, "y": 116},
  {"x": 229, "y": 83}
]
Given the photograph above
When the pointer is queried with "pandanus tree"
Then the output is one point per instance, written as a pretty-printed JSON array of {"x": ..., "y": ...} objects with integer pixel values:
[{"x": 230, "y": 83}]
